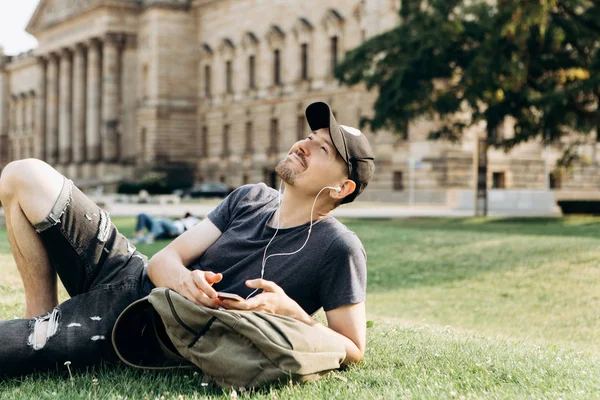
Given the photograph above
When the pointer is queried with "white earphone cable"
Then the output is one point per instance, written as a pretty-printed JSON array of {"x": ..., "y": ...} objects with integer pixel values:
[{"x": 265, "y": 258}]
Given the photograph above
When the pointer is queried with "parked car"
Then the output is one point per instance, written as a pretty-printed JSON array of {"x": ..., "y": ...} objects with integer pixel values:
[{"x": 205, "y": 190}]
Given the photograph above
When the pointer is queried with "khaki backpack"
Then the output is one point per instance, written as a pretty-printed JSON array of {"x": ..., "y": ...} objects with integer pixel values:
[{"x": 232, "y": 348}]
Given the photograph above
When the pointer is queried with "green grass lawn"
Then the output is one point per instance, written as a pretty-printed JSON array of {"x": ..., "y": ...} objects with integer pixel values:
[{"x": 457, "y": 308}]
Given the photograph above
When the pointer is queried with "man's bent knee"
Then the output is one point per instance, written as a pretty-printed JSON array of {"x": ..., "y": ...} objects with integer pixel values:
[
  {"x": 19, "y": 173},
  {"x": 34, "y": 184}
]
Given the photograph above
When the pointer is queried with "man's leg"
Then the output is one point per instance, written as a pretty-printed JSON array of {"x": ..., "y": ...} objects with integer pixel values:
[
  {"x": 28, "y": 190},
  {"x": 97, "y": 265},
  {"x": 158, "y": 229},
  {"x": 143, "y": 221}
]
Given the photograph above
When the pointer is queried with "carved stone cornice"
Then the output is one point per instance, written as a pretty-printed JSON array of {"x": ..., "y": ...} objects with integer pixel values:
[
  {"x": 275, "y": 36},
  {"x": 332, "y": 22},
  {"x": 249, "y": 41},
  {"x": 205, "y": 50},
  {"x": 302, "y": 29},
  {"x": 226, "y": 48},
  {"x": 53, "y": 12}
]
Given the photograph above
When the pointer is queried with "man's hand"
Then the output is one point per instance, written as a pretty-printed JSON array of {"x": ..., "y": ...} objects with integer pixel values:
[
  {"x": 347, "y": 322},
  {"x": 196, "y": 286},
  {"x": 272, "y": 300}
]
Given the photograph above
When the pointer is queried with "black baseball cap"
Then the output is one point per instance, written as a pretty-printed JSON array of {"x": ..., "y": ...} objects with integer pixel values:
[{"x": 350, "y": 143}]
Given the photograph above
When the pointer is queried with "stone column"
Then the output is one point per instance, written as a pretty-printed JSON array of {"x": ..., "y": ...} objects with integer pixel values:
[
  {"x": 31, "y": 126},
  {"x": 79, "y": 105},
  {"x": 39, "y": 142},
  {"x": 4, "y": 110},
  {"x": 93, "y": 101},
  {"x": 52, "y": 110},
  {"x": 19, "y": 114},
  {"x": 110, "y": 98},
  {"x": 65, "y": 100},
  {"x": 127, "y": 116}
]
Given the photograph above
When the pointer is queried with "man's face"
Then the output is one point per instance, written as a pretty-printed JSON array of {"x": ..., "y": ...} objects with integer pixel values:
[{"x": 313, "y": 163}]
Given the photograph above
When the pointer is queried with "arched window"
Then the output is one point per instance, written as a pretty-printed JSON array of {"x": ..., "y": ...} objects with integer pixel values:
[
  {"x": 334, "y": 53},
  {"x": 206, "y": 56},
  {"x": 225, "y": 142},
  {"x": 250, "y": 47},
  {"x": 276, "y": 67},
  {"x": 333, "y": 23},
  {"x": 207, "y": 81},
  {"x": 275, "y": 38},
  {"x": 303, "y": 31},
  {"x": 252, "y": 71},
  {"x": 227, "y": 52},
  {"x": 229, "y": 76},
  {"x": 304, "y": 61}
]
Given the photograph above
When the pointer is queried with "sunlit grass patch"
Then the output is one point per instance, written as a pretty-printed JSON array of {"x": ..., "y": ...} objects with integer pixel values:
[{"x": 458, "y": 308}]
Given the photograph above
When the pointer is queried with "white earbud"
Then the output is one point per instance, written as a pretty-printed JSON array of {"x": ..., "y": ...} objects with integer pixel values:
[{"x": 337, "y": 188}]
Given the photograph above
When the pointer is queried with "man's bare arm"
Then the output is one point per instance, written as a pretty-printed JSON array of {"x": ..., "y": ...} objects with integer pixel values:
[
  {"x": 347, "y": 322},
  {"x": 350, "y": 322},
  {"x": 168, "y": 267}
]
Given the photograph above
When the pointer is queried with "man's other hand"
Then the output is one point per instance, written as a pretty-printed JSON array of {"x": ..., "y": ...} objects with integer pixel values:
[
  {"x": 196, "y": 286},
  {"x": 272, "y": 300}
]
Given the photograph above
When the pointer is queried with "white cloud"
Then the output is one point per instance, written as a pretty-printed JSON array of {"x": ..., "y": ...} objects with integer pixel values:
[{"x": 14, "y": 16}]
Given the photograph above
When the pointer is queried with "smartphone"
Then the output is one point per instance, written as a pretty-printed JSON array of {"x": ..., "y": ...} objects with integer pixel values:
[{"x": 229, "y": 296}]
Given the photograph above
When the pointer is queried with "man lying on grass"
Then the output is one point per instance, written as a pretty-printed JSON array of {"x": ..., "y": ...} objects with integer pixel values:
[{"x": 254, "y": 244}]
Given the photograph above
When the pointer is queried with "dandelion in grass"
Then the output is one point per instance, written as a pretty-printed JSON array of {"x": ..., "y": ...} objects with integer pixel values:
[{"x": 68, "y": 364}]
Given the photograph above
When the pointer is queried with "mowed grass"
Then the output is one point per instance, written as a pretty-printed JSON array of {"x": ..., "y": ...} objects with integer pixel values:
[{"x": 457, "y": 308}]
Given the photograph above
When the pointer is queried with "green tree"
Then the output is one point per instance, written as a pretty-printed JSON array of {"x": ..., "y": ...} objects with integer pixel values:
[{"x": 537, "y": 61}]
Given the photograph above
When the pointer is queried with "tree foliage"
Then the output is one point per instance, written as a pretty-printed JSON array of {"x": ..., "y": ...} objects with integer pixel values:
[{"x": 472, "y": 61}]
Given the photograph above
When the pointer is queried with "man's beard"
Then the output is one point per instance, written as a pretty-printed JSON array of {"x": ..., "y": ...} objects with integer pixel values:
[{"x": 285, "y": 172}]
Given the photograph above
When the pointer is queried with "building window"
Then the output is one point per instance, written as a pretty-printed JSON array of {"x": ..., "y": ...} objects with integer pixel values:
[
  {"x": 204, "y": 141},
  {"x": 304, "y": 61},
  {"x": 245, "y": 179},
  {"x": 398, "y": 181},
  {"x": 274, "y": 135},
  {"x": 251, "y": 72},
  {"x": 249, "y": 134},
  {"x": 207, "y": 80},
  {"x": 300, "y": 128},
  {"x": 498, "y": 180},
  {"x": 554, "y": 179},
  {"x": 225, "y": 150},
  {"x": 334, "y": 54},
  {"x": 277, "y": 67},
  {"x": 144, "y": 82},
  {"x": 143, "y": 141},
  {"x": 229, "y": 77}
]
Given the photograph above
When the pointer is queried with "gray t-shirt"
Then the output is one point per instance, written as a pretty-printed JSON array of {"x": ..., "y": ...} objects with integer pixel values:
[{"x": 329, "y": 272}]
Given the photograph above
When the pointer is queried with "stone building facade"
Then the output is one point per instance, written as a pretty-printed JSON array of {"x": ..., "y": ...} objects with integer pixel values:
[{"x": 219, "y": 87}]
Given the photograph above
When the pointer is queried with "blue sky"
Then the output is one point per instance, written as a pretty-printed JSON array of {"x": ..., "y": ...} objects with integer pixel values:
[{"x": 14, "y": 16}]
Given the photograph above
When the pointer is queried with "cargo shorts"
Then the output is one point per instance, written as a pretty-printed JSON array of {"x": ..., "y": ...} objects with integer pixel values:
[{"x": 102, "y": 272}]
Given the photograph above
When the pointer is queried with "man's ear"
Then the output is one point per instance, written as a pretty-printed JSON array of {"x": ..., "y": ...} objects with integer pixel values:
[{"x": 347, "y": 188}]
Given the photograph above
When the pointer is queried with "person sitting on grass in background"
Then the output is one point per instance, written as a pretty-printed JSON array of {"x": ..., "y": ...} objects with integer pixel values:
[{"x": 161, "y": 228}]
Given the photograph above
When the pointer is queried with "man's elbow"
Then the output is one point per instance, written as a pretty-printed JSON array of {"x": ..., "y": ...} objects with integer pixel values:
[
  {"x": 354, "y": 356},
  {"x": 153, "y": 265}
]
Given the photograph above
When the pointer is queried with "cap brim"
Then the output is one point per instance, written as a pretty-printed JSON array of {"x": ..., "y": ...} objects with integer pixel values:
[{"x": 319, "y": 116}]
